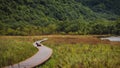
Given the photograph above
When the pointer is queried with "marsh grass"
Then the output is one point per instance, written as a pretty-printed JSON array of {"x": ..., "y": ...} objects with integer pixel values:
[
  {"x": 83, "y": 56},
  {"x": 82, "y": 52},
  {"x": 68, "y": 51},
  {"x": 14, "y": 50}
]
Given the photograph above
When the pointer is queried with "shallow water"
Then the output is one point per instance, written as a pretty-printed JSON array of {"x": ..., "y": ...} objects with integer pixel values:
[{"x": 112, "y": 38}]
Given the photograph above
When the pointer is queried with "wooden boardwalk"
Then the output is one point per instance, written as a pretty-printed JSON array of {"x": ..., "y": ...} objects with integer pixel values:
[{"x": 40, "y": 57}]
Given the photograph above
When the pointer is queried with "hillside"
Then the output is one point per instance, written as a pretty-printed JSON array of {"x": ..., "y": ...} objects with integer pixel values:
[{"x": 36, "y": 17}]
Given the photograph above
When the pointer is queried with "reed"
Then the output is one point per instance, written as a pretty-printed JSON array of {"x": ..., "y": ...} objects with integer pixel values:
[
  {"x": 68, "y": 51},
  {"x": 14, "y": 50}
]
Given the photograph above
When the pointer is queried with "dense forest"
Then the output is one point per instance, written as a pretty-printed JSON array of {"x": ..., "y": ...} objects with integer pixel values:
[{"x": 38, "y": 17}]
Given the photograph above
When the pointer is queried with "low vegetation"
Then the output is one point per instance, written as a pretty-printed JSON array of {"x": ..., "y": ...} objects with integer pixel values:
[
  {"x": 83, "y": 56},
  {"x": 14, "y": 50},
  {"x": 82, "y": 52},
  {"x": 68, "y": 51}
]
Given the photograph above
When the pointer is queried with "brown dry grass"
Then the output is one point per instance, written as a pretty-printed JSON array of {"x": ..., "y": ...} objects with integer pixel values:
[
  {"x": 74, "y": 39},
  {"x": 69, "y": 39}
]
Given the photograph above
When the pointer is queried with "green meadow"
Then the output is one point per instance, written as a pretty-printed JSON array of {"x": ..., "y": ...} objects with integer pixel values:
[
  {"x": 14, "y": 50},
  {"x": 68, "y": 51},
  {"x": 83, "y": 56}
]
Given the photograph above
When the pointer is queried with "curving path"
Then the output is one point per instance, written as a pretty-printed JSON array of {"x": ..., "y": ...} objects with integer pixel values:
[{"x": 40, "y": 57}]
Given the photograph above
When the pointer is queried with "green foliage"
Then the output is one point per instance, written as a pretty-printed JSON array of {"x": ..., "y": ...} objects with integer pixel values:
[{"x": 35, "y": 17}]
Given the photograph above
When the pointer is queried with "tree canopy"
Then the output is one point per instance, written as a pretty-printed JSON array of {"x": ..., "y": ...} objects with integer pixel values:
[{"x": 36, "y": 17}]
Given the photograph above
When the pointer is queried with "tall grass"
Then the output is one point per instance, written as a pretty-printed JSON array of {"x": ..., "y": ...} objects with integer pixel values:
[
  {"x": 83, "y": 52},
  {"x": 68, "y": 51},
  {"x": 83, "y": 56},
  {"x": 14, "y": 50}
]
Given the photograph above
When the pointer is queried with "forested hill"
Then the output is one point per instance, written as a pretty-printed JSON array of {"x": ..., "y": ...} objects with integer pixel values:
[{"x": 36, "y": 17}]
